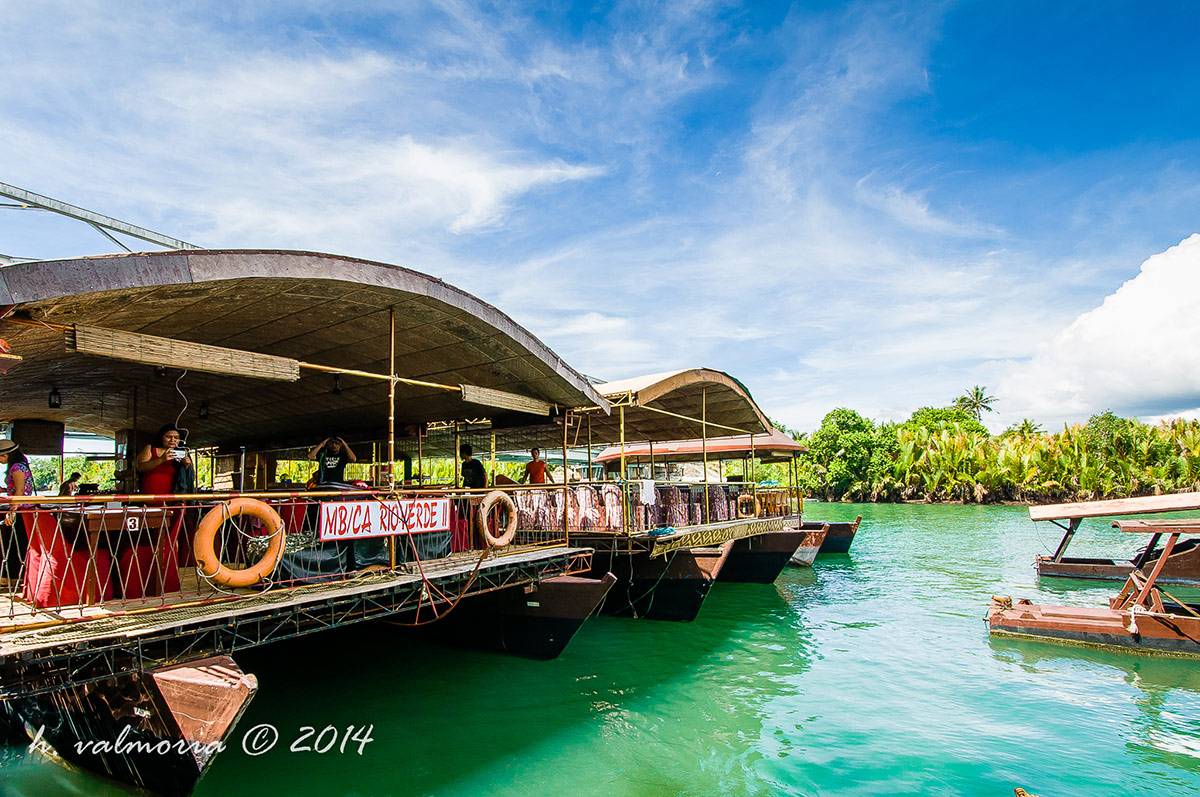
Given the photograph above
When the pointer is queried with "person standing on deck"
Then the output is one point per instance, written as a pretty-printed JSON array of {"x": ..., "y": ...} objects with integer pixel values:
[
  {"x": 535, "y": 471},
  {"x": 332, "y": 456},
  {"x": 473, "y": 474},
  {"x": 14, "y": 526}
]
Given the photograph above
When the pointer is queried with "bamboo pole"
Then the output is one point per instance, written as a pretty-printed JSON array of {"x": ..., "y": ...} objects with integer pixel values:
[
  {"x": 566, "y": 487},
  {"x": 624, "y": 478},
  {"x": 589, "y": 424},
  {"x": 704, "y": 445},
  {"x": 753, "y": 481},
  {"x": 392, "y": 408}
]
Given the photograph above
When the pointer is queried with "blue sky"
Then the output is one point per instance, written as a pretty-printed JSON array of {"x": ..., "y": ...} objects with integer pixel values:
[{"x": 872, "y": 205}]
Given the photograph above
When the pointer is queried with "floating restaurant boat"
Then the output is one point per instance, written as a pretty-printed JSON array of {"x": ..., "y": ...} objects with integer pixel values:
[
  {"x": 670, "y": 544},
  {"x": 1181, "y": 567},
  {"x": 1142, "y": 616},
  {"x": 119, "y": 625},
  {"x": 762, "y": 557}
]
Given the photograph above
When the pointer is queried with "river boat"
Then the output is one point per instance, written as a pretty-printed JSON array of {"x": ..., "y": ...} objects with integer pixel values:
[
  {"x": 1142, "y": 617},
  {"x": 759, "y": 558},
  {"x": 665, "y": 538},
  {"x": 120, "y": 624},
  {"x": 1181, "y": 567}
]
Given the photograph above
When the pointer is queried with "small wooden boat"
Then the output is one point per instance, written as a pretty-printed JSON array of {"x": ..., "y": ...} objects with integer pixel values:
[
  {"x": 838, "y": 536},
  {"x": 1181, "y": 567},
  {"x": 1142, "y": 617},
  {"x": 810, "y": 546}
]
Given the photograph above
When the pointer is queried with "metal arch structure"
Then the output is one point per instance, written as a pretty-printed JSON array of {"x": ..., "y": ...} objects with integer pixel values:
[{"x": 105, "y": 225}]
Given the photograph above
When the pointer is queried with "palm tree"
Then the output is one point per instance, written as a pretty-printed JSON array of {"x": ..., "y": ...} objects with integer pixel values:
[
  {"x": 1026, "y": 428},
  {"x": 976, "y": 401}
]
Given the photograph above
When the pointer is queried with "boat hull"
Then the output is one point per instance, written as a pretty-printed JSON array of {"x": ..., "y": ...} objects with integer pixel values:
[
  {"x": 1182, "y": 567},
  {"x": 810, "y": 546},
  {"x": 760, "y": 559},
  {"x": 838, "y": 538},
  {"x": 672, "y": 586},
  {"x": 1172, "y": 634},
  {"x": 533, "y": 621},
  {"x": 156, "y": 730}
]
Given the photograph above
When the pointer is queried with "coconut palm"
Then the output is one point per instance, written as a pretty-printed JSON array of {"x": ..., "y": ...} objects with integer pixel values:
[{"x": 976, "y": 401}]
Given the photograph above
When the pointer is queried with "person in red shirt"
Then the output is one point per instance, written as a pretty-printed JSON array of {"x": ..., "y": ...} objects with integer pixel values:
[{"x": 535, "y": 471}]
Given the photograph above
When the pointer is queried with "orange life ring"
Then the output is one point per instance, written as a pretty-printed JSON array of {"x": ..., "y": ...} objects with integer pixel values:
[
  {"x": 485, "y": 507},
  {"x": 209, "y": 565},
  {"x": 753, "y": 507}
]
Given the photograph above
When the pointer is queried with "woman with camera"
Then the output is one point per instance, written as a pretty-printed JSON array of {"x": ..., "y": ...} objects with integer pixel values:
[
  {"x": 144, "y": 567},
  {"x": 160, "y": 462}
]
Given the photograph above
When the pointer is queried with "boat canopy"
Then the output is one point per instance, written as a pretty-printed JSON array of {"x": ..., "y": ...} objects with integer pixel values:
[
  {"x": 324, "y": 311},
  {"x": 775, "y": 446},
  {"x": 670, "y": 406}
]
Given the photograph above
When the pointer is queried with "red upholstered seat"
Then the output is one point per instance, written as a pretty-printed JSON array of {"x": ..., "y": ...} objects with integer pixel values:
[{"x": 56, "y": 573}]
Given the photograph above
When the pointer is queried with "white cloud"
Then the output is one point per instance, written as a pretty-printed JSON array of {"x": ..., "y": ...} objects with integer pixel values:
[{"x": 1136, "y": 353}]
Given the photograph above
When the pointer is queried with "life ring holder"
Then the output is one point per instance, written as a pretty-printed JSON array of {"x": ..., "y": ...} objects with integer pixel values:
[
  {"x": 209, "y": 565},
  {"x": 485, "y": 507},
  {"x": 747, "y": 500}
]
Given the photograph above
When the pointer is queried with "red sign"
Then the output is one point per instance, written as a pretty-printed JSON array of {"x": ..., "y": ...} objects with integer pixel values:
[{"x": 352, "y": 520}]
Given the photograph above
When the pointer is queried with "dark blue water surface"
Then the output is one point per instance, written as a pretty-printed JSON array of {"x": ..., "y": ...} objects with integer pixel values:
[{"x": 871, "y": 673}]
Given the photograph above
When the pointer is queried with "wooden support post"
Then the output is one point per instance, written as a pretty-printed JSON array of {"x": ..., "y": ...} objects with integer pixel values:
[
  {"x": 1066, "y": 540},
  {"x": 1168, "y": 546}
]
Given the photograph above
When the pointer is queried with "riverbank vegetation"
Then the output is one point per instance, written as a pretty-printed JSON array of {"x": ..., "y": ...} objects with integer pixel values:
[{"x": 946, "y": 454}]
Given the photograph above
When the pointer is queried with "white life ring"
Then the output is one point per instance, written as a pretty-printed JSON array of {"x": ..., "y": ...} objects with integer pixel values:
[{"x": 485, "y": 507}]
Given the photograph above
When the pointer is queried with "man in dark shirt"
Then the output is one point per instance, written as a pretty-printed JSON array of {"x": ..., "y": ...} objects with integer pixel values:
[
  {"x": 473, "y": 474},
  {"x": 332, "y": 455}
]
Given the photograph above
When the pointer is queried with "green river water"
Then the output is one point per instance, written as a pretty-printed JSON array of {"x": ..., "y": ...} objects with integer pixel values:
[{"x": 871, "y": 673}]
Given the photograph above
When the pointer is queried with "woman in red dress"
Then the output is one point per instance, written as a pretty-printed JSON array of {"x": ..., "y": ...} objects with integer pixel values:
[{"x": 151, "y": 566}]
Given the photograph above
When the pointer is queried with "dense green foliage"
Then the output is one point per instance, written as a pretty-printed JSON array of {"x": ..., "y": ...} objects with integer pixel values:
[{"x": 947, "y": 455}]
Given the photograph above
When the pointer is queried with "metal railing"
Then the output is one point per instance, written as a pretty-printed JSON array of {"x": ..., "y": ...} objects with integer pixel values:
[
  {"x": 125, "y": 552},
  {"x": 131, "y": 551}
]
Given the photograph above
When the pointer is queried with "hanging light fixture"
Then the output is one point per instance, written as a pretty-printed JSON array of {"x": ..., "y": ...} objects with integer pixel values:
[
  {"x": 55, "y": 399},
  {"x": 203, "y": 410},
  {"x": 337, "y": 384}
]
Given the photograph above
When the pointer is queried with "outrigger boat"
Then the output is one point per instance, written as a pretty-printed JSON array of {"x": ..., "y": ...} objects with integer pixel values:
[
  {"x": 1142, "y": 616},
  {"x": 1182, "y": 566},
  {"x": 759, "y": 558}
]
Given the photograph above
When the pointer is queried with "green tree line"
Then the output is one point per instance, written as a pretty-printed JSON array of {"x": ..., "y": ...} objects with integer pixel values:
[{"x": 946, "y": 454}]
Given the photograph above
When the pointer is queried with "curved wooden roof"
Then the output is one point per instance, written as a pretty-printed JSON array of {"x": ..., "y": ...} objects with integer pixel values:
[
  {"x": 319, "y": 308},
  {"x": 721, "y": 399},
  {"x": 775, "y": 446}
]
